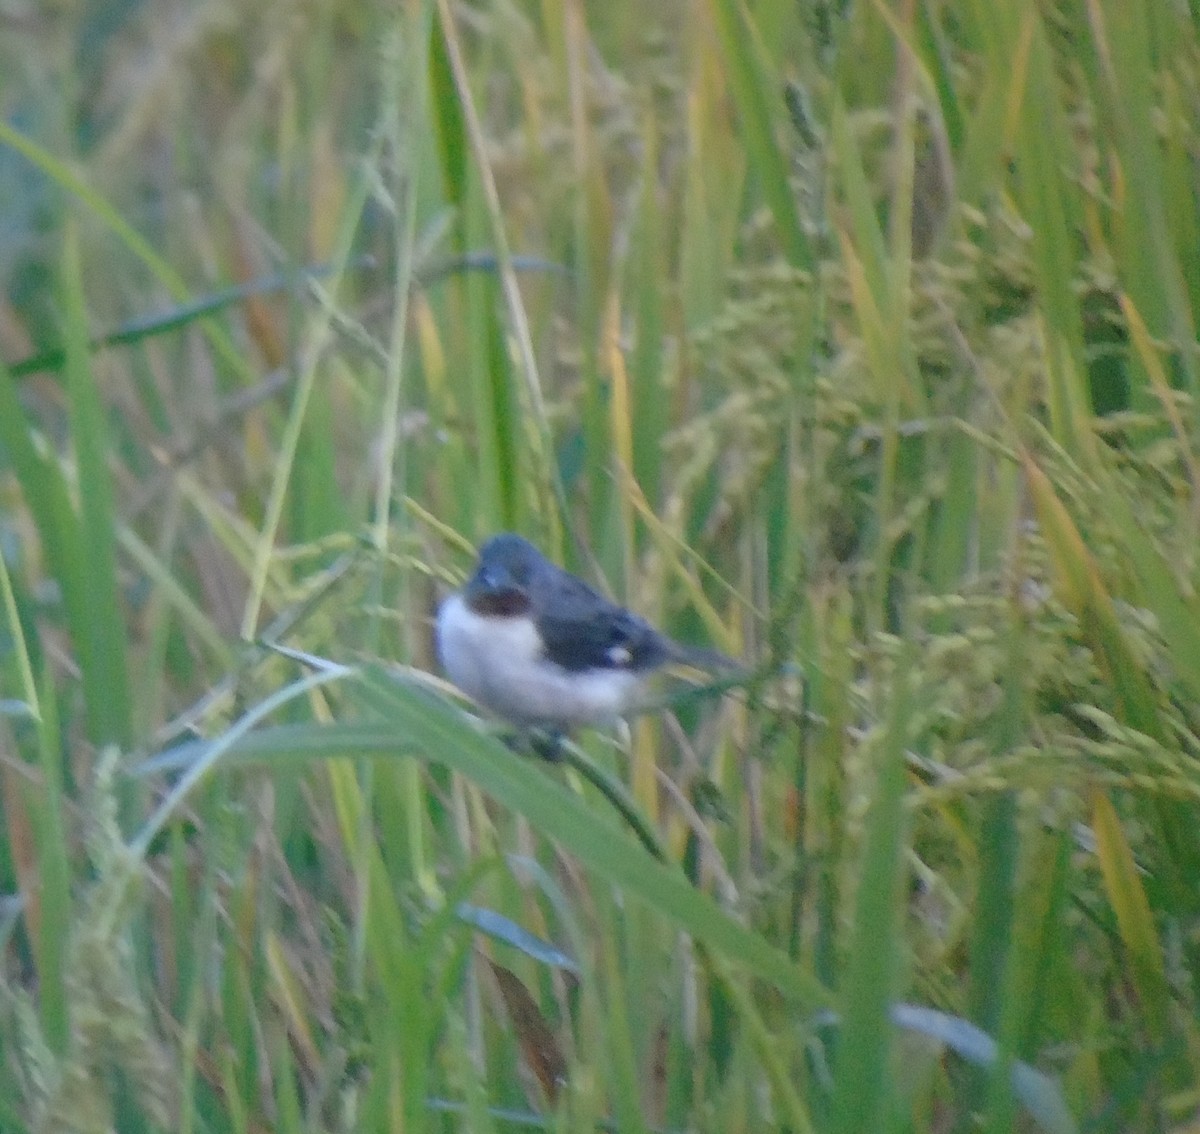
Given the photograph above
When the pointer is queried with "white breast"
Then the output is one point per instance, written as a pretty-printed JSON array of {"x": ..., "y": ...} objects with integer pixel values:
[{"x": 498, "y": 662}]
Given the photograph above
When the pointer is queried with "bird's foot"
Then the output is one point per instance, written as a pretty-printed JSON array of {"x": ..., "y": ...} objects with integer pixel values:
[{"x": 545, "y": 743}]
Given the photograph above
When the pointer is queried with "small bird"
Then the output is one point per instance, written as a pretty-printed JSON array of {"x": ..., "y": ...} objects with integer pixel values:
[{"x": 540, "y": 648}]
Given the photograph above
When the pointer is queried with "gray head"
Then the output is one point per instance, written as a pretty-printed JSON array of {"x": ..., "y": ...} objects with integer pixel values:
[{"x": 504, "y": 576}]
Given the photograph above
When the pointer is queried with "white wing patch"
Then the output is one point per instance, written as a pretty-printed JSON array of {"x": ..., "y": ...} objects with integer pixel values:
[{"x": 619, "y": 655}]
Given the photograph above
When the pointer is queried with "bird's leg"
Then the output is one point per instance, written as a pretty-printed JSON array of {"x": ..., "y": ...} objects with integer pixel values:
[
  {"x": 548, "y": 743},
  {"x": 545, "y": 743}
]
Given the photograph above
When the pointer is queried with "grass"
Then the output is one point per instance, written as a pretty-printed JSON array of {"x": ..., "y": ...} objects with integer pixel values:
[{"x": 858, "y": 340}]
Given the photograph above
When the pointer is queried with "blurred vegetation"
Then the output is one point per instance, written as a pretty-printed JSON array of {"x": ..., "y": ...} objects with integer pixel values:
[{"x": 855, "y": 338}]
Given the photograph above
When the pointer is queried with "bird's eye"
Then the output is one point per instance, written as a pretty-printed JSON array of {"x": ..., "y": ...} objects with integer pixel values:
[{"x": 620, "y": 632}]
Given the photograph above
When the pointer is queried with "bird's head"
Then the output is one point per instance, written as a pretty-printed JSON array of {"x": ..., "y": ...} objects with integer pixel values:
[{"x": 504, "y": 576}]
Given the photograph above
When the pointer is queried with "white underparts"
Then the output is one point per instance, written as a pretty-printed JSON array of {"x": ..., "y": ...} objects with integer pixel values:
[{"x": 499, "y": 663}]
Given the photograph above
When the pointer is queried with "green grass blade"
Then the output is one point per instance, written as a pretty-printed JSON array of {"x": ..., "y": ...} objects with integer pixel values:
[
  {"x": 100, "y": 632},
  {"x": 48, "y": 499},
  {"x": 760, "y": 104},
  {"x": 447, "y": 738},
  {"x": 999, "y": 850},
  {"x": 1176, "y": 610},
  {"x": 1147, "y": 243},
  {"x": 1134, "y": 917},
  {"x": 861, "y": 1074},
  {"x": 62, "y": 175},
  {"x": 54, "y": 882},
  {"x": 213, "y": 753},
  {"x": 21, "y": 651}
]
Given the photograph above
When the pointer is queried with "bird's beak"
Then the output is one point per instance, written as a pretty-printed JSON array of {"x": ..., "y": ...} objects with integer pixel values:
[{"x": 491, "y": 580}]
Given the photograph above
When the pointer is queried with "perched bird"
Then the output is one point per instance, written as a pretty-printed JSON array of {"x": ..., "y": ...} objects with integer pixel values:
[{"x": 540, "y": 648}]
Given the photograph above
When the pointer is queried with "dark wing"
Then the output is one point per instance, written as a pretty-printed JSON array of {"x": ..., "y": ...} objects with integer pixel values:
[{"x": 582, "y": 630}]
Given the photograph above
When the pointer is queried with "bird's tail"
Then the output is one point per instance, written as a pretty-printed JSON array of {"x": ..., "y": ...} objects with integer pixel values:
[{"x": 711, "y": 661}]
